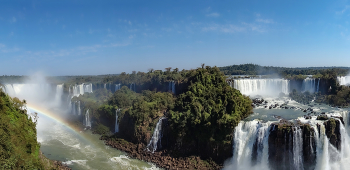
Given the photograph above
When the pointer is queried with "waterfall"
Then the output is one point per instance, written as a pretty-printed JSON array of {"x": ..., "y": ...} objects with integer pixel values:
[
  {"x": 79, "y": 110},
  {"x": 116, "y": 128},
  {"x": 297, "y": 148},
  {"x": 344, "y": 80},
  {"x": 309, "y": 84},
  {"x": 87, "y": 119},
  {"x": 117, "y": 87},
  {"x": 87, "y": 88},
  {"x": 172, "y": 86},
  {"x": 268, "y": 87},
  {"x": 318, "y": 85},
  {"x": 58, "y": 96},
  {"x": 132, "y": 87},
  {"x": 73, "y": 108},
  {"x": 250, "y": 145},
  {"x": 155, "y": 142},
  {"x": 43, "y": 93}
]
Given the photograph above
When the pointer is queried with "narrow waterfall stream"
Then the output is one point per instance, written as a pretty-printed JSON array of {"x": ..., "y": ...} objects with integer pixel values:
[{"x": 155, "y": 142}]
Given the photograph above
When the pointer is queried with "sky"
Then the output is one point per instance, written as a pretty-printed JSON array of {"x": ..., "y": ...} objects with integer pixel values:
[{"x": 109, "y": 37}]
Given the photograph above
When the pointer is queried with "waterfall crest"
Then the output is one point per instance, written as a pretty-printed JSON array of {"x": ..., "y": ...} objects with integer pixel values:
[
  {"x": 155, "y": 142},
  {"x": 309, "y": 84},
  {"x": 265, "y": 87}
]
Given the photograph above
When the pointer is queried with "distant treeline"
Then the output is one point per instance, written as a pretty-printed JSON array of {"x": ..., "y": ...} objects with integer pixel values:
[
  {"x": 159, "y": 77},
  {"x": 254, "y": 69}
]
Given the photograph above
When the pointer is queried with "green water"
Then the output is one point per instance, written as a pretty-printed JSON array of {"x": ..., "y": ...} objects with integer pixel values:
[{"x": 82, "y": 150}]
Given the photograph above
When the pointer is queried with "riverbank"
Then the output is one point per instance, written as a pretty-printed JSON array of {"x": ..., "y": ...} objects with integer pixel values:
[
  {"x": 52, "y": 164},
  {"x": 162, "y": 159}
]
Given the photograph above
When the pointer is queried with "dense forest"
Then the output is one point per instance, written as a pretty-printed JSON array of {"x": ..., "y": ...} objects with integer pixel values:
[{"x": 254, "y": 69}]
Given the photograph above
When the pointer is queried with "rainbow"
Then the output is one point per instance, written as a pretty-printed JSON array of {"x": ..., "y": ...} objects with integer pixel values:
[{"x": 49, "y": 114}]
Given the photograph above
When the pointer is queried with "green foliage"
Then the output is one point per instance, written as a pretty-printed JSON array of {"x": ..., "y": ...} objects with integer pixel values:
[
  {"x": 150, "y": 106},
  {"x": 210, "y": 109},
  {"x": 101, "y": 129},
  {"x": 19, "y": 148},
  {"x": 253, "y": 69},
  {"x": 123, "y": 98},
  {"x": 341, "y": 98}
]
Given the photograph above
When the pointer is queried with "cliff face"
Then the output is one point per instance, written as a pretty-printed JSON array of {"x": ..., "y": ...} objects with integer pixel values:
[
  {"x": 333, "y": 132},
  {"x": 130, "y": 132},
  {"x": 283, "y": 141}
]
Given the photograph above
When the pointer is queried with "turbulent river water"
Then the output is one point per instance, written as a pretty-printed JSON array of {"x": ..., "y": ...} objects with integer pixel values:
[{"x": 81, "y": 150}]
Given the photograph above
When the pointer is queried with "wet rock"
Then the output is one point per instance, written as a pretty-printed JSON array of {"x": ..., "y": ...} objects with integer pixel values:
[
  {"x": 281, "y": 145},
  {"x": 322, "y": 117},
  {"x": 333, "y": 132},
  {"x": 307, "y": 117}
]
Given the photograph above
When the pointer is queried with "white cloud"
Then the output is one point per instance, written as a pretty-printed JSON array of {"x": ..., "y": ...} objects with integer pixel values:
[
  {"x": 214, "y": 14},
  {"x": 208, "y": 9},
  {"x": 224, "y": 28},
  {"x": 130, "y": 23},
  {"x": 344, "y": 10},
  {"x": 119, "y": 45},
  {"x": 266, "y": 21},
  {"x": 5, "y": 49},
  {"x": 232, "y": 29},
  {"x": 254, "y": 27},
  {"x": 13, "y": 20}
]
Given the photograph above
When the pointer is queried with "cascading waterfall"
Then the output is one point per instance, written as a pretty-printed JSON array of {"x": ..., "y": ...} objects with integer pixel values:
[
  {"x": 76, "y": 91},
  {"x": 87, "y": 119},
  {"x": 116, "y": 128},
  {"x": 37, "y": 93},
  {"x": 297, "y": 148},
  {"x": 132, "y": 87},
  {"x": 117, "y": 87},
  {"x": 344, "y": 80},
  {"x": 250, "y": 148},
  {"x": 318, "y": 85},
  {"x": 172, "y": 86},
  {"x": 74, "y": 110},
  {"x": 155, "y": 142},
  {"x": 266, "y": 87},
  {"x": 88, "y": 88},
  {"x": 309, "y": 84},
  {"x": 79, "y": 110},
  {"x": 59, "y": 92}
]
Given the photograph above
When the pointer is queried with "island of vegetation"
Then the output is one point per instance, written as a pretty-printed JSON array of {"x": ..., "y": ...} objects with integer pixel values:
[
  {"x": 198, "y": 121},
  {"x": 19, "y": 148}
]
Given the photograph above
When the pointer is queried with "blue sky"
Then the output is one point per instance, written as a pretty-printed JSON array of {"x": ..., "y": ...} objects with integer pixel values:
[{"x": 94, "y": 37}]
